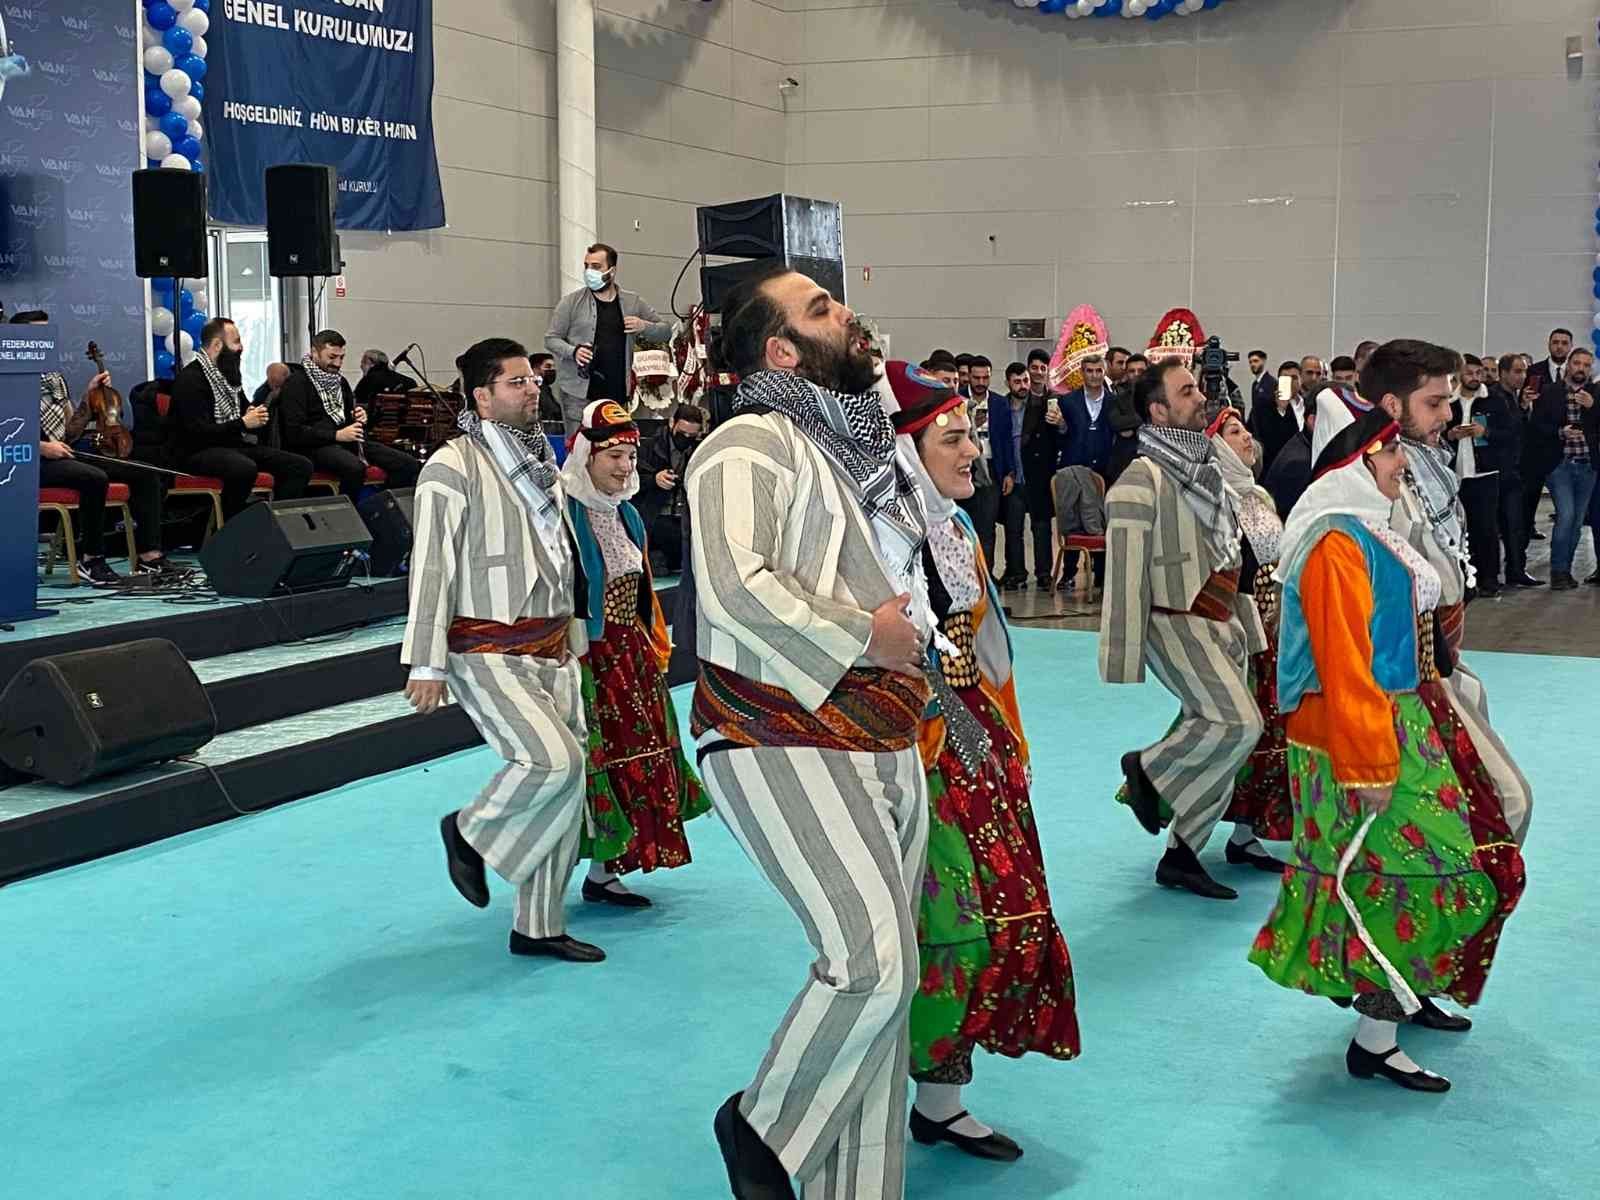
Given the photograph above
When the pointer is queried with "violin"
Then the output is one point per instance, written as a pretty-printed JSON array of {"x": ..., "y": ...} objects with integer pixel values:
[{"x": 104, "y": 403}]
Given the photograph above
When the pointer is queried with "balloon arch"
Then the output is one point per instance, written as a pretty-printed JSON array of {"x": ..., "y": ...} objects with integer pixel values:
[{"x": 1150, "y": 10}]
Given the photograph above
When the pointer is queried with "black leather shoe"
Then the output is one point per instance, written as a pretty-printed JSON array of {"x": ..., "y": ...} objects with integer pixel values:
[
  {"x": 599, "y": 893},
  {"x": 1488, "y": 592},
  {"x": 997, "y": 1147},
  {"x": 1536, "y": 536},
  {"x": 1142, "y": 794},
  {"x": 1364, "y": 1064},
  {"x": 568, "y": 949},
  {"x": 1431, "y": 1016},
  {"x": 1245, "y": 856},
  {"x": 1179, "y": 868},
  {"x": 1526, "y": 580},
  {"x": 1562, "y": 583},
  {"x": 754, "y": 1171},
  {"x": 465, "y": 863},
  {"x": 1594, "y": 579}
]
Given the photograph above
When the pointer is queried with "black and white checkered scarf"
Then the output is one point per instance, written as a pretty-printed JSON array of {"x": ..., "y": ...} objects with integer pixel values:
[
  {"x": 228, "y": 399},
  {"x": 1429, "y": 476},
  {"x": 1187, "y": 455},
  {"x": 523, "y": 456},
  {"x": 330, "y": 386},
  {"x": 55, "y": 406}
]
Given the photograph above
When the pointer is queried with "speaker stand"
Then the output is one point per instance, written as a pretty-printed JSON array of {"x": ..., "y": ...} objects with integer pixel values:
[{"x": 177, "y": 329}]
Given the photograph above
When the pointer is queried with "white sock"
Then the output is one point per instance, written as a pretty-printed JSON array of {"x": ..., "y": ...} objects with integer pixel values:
[
  {"x": 1379, "y": 1037},
  {"x": 599, "y": 875},
  {"x": 1242, "y": 835},
  {"x": 942, "y": 1101}
]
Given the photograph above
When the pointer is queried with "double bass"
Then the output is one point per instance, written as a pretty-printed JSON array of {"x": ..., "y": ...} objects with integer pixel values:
[{"x": 104, "y": 405}]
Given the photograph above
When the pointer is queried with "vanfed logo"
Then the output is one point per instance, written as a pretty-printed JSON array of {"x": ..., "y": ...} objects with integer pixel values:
[
  {"x": 115, "y": 265},
  {"x": 68, "y": 168},
  {"x": 86, "y": 312},
  {"x": 57, "y": 71},
  {"x": 81, "y": 26},
  {"x": 35, "y": 216},
  {"x": 65, "y": 262},
  {"x": 90, "y": 120},
  {"x": 24, "y": 17},
  {"x": 87, "y": 216},
  {"x": 14, "y": 158},
  {"x": 109, "y": 171},
  {"x": 30, "y": 116},
  {"x": 14, "y": 452}
]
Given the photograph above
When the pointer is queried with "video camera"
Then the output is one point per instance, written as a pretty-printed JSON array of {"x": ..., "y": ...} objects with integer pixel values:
[{"x": 1214, "y": 378}]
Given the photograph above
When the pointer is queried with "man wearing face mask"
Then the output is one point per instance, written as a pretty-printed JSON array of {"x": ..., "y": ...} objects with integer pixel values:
[
  {"x": 544, "y": 365},
  {"x": 218, "y": 435},
  {"x": 592, "y": 332},
  {"x": 662, "y": 463}
]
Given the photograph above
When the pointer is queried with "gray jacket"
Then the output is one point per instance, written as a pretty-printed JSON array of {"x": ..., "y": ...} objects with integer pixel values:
[{"x": 572, "y": 325}]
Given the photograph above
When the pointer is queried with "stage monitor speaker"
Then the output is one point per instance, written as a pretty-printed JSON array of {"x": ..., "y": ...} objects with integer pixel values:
[
  {"x": 286, "y": 546},
  {"x": 300, "y": 233},
  {"x": 169, "y": 224},
  {"x": 716, "y": 282},
  {"x": 71, "y": 717},
  {"x": 387, "y": 514},
  {"x": 780, "y": 226}
]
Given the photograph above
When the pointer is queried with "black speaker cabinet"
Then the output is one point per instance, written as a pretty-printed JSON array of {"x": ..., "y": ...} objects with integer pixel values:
[
  {"x": 72, "y": 717},
  {"x": 286, "y": 546},
  {"x": 387, "y": 514},
  {"x": 169, "y": 224},
  {"x": 300, "y": 234},
  {"x": 780, "y": 226},
  {"x": 716, "y": 282}
]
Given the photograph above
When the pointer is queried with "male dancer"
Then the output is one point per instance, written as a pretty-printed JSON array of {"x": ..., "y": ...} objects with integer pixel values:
[
  {"x": 807, "y": 561},
  {"x": 492, "y": 599},
  {"x": 1172, "y": 599}
]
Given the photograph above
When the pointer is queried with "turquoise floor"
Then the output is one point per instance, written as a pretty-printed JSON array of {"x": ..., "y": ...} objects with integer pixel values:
[{"x": 298, "y": 1005}]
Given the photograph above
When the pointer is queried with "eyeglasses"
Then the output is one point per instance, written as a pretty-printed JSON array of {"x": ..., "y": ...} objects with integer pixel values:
[{"x": 522, "y": 382}]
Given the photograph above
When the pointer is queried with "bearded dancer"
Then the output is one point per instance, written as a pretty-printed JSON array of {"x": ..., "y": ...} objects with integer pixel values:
[
  {"x": 640, "y": 789},
  {"x": 494, "y": 581},
  {"x": 995, "y": 968},
  {"x": 1172, "y": 600},
  {"x": 812, "y": 626}
]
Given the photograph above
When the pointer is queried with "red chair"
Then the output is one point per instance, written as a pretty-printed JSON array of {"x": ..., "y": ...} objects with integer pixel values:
[
  {"x": 263, "y": 486},
  {"x": 326, "y": 479},
  {"x": 1089, "y": 543},
  {"x": 64, "y": 502}
]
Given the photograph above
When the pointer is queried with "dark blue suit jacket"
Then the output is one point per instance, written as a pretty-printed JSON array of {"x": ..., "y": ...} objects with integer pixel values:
[
  {"x": 1002, "y": 437},
  {"x": 1085, "y": 442}
]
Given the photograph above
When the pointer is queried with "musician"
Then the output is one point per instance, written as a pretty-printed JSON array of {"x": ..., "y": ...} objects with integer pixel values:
[
  {"x": 322, "y": 421},
  {"x": 60, "y": 424},
  {"x": 662, "y": 461},
  {"x": 218, "y": 435},
  {"x": 267, "y": 393},
  {"x": 378, "y": 377}
]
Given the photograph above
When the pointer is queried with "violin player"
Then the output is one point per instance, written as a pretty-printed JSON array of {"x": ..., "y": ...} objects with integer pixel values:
[{"x": 62, "y": 423}]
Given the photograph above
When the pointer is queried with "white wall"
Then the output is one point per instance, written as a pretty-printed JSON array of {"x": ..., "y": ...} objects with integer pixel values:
[{"x": 1441, "y": 164}]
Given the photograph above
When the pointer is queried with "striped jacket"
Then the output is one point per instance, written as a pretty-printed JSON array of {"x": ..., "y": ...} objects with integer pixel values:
[
  {"x": 1155, "y": 558},
  {"x": 786, "y": 567},
  {"x": 474, "y": 553}
]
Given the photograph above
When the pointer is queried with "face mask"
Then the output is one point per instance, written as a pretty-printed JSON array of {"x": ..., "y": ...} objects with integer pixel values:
[
  {"x": 683, "y": 440},
  {"x": 594, "y": 280},
  {"x": 549, "y": 378}
]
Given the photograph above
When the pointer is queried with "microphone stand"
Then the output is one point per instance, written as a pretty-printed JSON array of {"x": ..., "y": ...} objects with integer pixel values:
[{"x": 404, "y": 357}]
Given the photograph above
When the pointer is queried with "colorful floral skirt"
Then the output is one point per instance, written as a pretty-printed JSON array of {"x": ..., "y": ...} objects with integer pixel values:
[
  {"x": 995, "y": 969},
  {"x": 640, "y": 788},
  {"x": 1434, "y": 880},
  {"x": 1261, "y": 789}
]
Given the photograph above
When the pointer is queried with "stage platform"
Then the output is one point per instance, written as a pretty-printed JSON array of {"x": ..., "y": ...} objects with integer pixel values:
[{"x": 307, "y": 694}]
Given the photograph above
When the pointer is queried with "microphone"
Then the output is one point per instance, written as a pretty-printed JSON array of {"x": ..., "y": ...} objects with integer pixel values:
[{"x": 404, "y": 357}]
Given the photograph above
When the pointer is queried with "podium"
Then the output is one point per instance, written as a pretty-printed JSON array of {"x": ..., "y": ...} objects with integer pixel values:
[{"x": 26, "y": 352}]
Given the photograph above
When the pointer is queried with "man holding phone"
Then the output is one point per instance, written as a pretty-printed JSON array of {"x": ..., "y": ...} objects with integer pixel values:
[
  {"x": 1042, "y": 429},
  {"x": 1565, "y": 425},
  {"x": 1480, "y": 480}
]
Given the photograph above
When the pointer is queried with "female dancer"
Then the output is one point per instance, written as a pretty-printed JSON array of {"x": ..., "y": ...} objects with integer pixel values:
[
  {"x": 1404, "y": 868},
  {"x": 995, "y": 970},
  {"x": 640, "y": 788}
]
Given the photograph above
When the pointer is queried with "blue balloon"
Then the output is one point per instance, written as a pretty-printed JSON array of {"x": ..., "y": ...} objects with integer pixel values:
[
  {"x": 161, "y": 289},
  {"x": 197, "y": 165},
  {"x": 187, "y": 146},
  {"x": 164, "y": 363},
  {"x": 185, "y": 303},
  {"x": 203, "y": 5},
  {"x": 1052, "y": 6},
  {"x": 193, "y": 324},
  {"x": 197, "y": 89},
  {"x": 161, "y": 15},
  {"x": 176, "y": 126},
  {"x": 156, "y": 102},
  {"x": 192, "y": 65},
  {"x": 179, "y": 40}
]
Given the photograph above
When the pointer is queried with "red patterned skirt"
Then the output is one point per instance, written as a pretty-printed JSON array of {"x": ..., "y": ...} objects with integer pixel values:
[{"x": 1261, "y": 791}]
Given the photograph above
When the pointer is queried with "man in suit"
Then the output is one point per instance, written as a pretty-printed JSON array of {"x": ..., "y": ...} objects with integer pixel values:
[
  {"x": 1564, "y": 428},
  {"x": 1468, "y": 438},
  {"x": 1042, "y": 425},
  {"x": 1507, "y": 420},
  {"x": 984, "y": 504},
  {"x": 218, "y": 435},
  {"x": 1172, "y": 602},
  {"x": 1274, "y": 423},
  {"x": 1006, "y": 415},
  {"x": 1087, "y": 436},
  {"x": 1263, "y": 384},
  {"x": 494, "y": 589},
  {"x": 1550, "y": 369},
  {"x": 321, "y": 420},
  {"x": 813, "y": 611},
  {"x": 1290, "y": 474}
]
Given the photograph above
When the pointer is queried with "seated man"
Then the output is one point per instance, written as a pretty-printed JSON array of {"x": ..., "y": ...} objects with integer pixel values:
[
  {"x": 378, "y": 377},
  {"x": 662, "y": 461},
  {"x": 217, "y": 435},
  {"x": 267, "y": 394},
  {"x": 321, "y": 420}
]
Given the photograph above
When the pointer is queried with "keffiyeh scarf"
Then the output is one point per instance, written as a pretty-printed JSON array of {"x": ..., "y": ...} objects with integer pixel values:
[
  {"x": 524, "y": 457},
  {"x": 1428, "y": 474},
  {"x": 330, "y": 386},
  {"x": 55, "y": 407},
  {"x": 1187, "y": 456},
  {"x": 228, "y": 398}
]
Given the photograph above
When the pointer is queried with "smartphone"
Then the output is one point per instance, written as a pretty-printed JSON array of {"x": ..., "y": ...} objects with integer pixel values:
[
  {"x": 1285, "y": 389},
  {"x": 1053, "y": 406}
]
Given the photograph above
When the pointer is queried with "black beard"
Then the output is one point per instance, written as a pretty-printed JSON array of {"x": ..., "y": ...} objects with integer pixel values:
[
  {"x": 228, "y": 363},
  {"x": 843, "y": 369}
]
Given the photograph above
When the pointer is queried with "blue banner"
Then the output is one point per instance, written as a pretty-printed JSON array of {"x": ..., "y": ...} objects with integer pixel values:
[
  {"x": 343, "y": 82},
  {"x": 26, "y": 351},
  {"x": 70, "y": 132}
]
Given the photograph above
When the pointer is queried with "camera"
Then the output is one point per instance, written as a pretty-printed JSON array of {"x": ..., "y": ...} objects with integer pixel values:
[{"x": 1214, "y": 378}]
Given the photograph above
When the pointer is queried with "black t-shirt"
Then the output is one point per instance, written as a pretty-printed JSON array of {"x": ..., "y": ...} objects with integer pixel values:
[{"x": 608, "y": 372}]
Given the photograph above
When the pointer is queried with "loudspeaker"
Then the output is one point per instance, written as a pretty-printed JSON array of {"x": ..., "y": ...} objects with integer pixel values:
[
  {"x": 388, "y": 517},
  {"x": 169, "y": 225},
  {"x": 72, "y": 717},
  {"x": 286, "y": 545},
  {"x": 805, "y": 235},
  {"x": 300, "y": 234},
  {"x": 717, "y": 282}
]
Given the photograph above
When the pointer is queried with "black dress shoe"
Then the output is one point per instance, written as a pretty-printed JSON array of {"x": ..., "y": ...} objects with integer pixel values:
[
  {"x": 1431, "y": 1016},
  {"x": 997, "y": 1147},
  {"x": 1536, "y": 536},
  {"x": 1179, "y": 868},
  {"x": 1364, "y": 1064},
  {"x": 568, "y": 949},
  {"x": 1142, "y": 795},
  {"x": 599, "y": 893},
  {"x": 1526, "y": 580},
  {"x": 754, "y": 1171},
  {"x": 1488, "y": 592},
  {"x": 465, "y": 863},
  {"x": 1594, "y": 579},
  {"x": 1562, "y": 583},
  {"x": 1246, "y": 856}
]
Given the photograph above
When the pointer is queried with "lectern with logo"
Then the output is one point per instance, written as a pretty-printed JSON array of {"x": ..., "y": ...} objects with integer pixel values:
[{"x": 26, "y": 352}]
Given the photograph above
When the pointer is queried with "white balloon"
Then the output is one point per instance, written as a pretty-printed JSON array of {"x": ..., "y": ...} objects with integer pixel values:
[
  {"x": 174, "y": 83},
  {"x": 188, "y": 106},
  {"x": 1084, "y": 7},
  {"x": 184, "y": 340},
  {"x": 158, "y": 60},
  {"x": 197, "y": 131},
  {"x": 199, "y": 50},
  {"x": 195, "y": 21},
  {"x": 1597, "y": 320},
  {"x": 161, "y": 321},
  {"x": 181, "y": 5},
  {"x": 176, "y": 162},
  {"x": 1134, "y": 8},
  {"x": 157, "y": 145},
  {"x": 151, "y": 35},
  {"x": 201, "y": 296}
]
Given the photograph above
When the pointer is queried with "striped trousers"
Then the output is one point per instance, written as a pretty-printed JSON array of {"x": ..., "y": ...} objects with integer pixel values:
[
  {"x": 843, "y": 837},
  {"x": 1205, "y": 664},
  {"x": 527, "y": 819}
]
